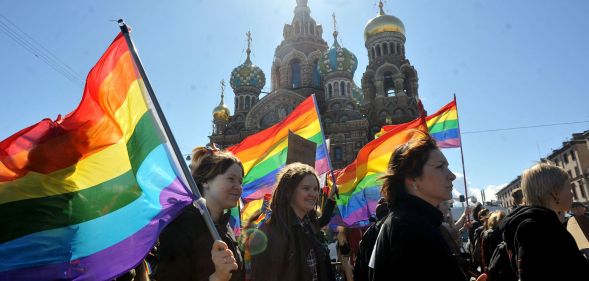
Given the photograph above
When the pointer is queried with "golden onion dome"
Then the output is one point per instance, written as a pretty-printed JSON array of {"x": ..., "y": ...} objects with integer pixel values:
[
  {"x": 221, "y": 112},
  {"x": 383, "y": 23}
]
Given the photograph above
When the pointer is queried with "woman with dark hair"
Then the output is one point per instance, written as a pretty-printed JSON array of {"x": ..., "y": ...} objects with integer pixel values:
[
  {"x": 185, "y": 251},
  {"x": 410, "y": 245},
  {"x": 291, "y": 249}
]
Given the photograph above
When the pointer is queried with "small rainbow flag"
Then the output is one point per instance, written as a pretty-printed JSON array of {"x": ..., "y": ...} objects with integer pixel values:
[
  {"x": 442, "y": 126},
  {"x": 85, "y": 197},
  {"x": 358, "y": 183}
]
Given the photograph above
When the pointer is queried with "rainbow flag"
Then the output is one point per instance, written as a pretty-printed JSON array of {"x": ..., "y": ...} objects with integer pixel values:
[
  {"x": 264, "y": 154},
  {"x": 358, "y": 183},
  {"x": 85, "y": 197},
  {"x": 442, "y": 126}
]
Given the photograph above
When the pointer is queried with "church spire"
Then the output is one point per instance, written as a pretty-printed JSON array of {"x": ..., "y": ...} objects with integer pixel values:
[
  {"x": 302, "y": 3},
  {"x": 335, "y": 33},
  {"x": 380, "y": 6},
  {"x": 222, "y": 91},
  {"x": 249, "y": 43}
]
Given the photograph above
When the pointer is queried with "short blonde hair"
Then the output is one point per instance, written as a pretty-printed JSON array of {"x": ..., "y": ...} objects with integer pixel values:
[
  {"x": 540, "y": 181},
  {"x": 495, "y": 218}
]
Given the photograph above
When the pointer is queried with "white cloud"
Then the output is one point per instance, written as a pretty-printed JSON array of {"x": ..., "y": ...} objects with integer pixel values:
[{"x": 490, "y": 191}]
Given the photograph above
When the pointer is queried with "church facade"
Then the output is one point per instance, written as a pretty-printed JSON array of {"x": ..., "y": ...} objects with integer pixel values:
[{"x": 304, "y": 64}]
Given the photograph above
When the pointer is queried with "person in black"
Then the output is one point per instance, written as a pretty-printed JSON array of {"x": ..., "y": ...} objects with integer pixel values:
[
  {"x": 292, "y": 249},
  {"x": 541, "y": 247},
  {"x": 490, "y": 238},
  {"x": 362, "y": 272},
  {"x": 185, "y": 244},
  {"x": 410, "y": 245}
]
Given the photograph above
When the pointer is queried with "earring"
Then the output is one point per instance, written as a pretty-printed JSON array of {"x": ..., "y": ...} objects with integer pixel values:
[{"x": 414, "y": 187}]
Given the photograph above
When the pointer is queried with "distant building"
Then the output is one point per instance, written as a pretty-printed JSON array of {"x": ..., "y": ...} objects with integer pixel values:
[
  {"x": 504, "y": 195},
  {"x": 573, "y": 157}
]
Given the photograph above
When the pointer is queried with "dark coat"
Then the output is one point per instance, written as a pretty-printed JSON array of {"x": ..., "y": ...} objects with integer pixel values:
[
  {"x": 543, "y": 247},
  {"x": 288, "y": 245},
  {"x": 410, "y": 245},
  {"x": 362, "y": 272},
  {"x": 185, "y": 248},
  {"x": 491, "y": 238}
]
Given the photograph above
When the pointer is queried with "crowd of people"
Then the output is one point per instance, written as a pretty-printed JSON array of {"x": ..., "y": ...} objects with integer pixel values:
[{"x": 412, "y": 237}]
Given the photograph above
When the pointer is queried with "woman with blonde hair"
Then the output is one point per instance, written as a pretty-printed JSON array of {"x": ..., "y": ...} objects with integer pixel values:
[
  {"x": 491, "y": 237},
  {"x": 541, "y": 247}
]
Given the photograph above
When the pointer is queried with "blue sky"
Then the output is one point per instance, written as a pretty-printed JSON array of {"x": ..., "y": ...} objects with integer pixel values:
[{"x": 510, "y": 63}]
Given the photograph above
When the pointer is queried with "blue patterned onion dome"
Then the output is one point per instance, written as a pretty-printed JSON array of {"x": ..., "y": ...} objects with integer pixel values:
[
  {"x": 248, "y": 74},
  {"x": 383, "y": 23},
  {"x": 338, "y": 59}
]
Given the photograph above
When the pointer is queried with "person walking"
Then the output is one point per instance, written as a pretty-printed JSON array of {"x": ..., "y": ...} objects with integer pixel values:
[
  {"x": 410, "y": 245},
  {"x": 541, "y": 248},
  {"x": 187, "y": 250},
  {"x": 291, "y": 248}
]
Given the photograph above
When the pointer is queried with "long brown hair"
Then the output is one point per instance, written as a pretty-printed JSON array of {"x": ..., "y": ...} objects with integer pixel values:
[
  {"x": 287, "y": 181},
  {"x": 208, "y": 162},
  {"x": 407, "y": 161}
]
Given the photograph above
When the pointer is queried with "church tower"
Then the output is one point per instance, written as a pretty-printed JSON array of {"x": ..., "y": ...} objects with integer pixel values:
[
  {"x": 390, "y": 81},
  {"x": 221, "y": 114},
  {"x": 297, "y": 56},
  {"x": 247, "y": 81},
  {"x": 344, "y": 124}
]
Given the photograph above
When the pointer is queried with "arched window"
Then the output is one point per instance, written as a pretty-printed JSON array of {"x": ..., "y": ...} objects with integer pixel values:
[
  {"x": 372, "y": 53},
  {"x": 277, "y": 77},
  {"x": 342, "y": 86},
  {"x": 311, "y": 28},
  {"x": 236, "y": 104},
  {"x": 399, "y": 49},
  {"x": 295, "y": 70},
  {"x": 389, "y": 84},
  {"x": 329, "y": 90},
  {"x": 297, "y": 28},
  {"x": 349, "y": 89},
  {"x": 336, "y": 89},
  {"x": 247, "y": 102},
  {"x": 316, "y": 75},
  {"x": 378, "y": 51},
  {"x": 241, "y": 102},
  {"x": 392, "y": 48},
  {"x": 338, "y": 154},
  {"x": 385, "y": 49}
]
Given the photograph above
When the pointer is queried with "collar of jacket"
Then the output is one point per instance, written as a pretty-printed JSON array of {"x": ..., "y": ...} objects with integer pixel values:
[
  {"x": 224, "y": 220},
  {"x": 416, "y": 206}
]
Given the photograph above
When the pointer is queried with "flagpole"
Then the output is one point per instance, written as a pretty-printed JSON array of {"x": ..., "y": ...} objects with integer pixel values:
[
  {"x": 461, "y": 154},
  {"x": 200, "y": 203},
  {"x": 326, "y": 150}
]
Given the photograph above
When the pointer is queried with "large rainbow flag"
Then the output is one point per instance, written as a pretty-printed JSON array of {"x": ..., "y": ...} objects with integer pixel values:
[
  {"x": 358, "y": 184},
  {"x": 85, "y": 197},
  {"x": 442, "y": 126},
  {"x": 264, "y": 154}
]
